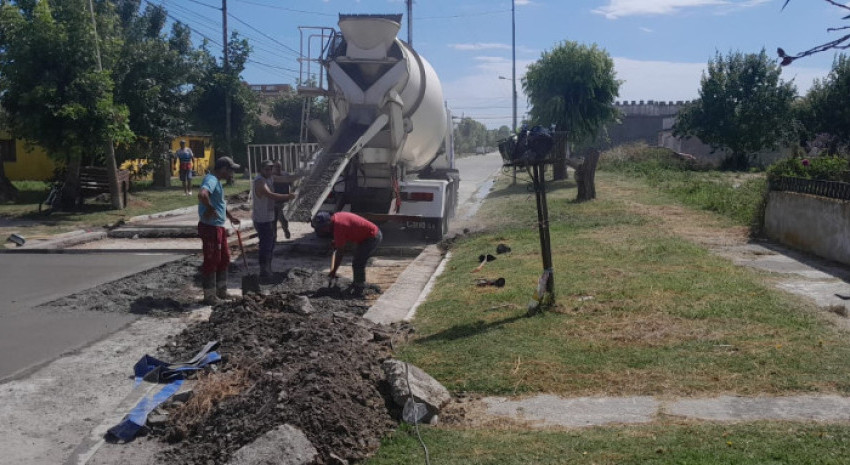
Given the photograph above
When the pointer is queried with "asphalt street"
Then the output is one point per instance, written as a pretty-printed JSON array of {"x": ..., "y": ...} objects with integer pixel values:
[{"x": 31, "y": 336}]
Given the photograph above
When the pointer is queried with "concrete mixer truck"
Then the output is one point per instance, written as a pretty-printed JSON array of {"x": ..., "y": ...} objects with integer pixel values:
[{"x": 388, "y": 153}]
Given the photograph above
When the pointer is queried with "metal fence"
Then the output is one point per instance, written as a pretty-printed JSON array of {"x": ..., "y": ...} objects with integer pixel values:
[
  {"x": 293, "y": 158},
  {"x": 831, "y": 189}
]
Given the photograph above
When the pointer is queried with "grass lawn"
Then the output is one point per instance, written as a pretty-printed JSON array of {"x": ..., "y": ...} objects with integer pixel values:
[
  {"x": 642, "y": 308},
  {"x": 23, "y": 217},
  {"x": 761, "y": 443}
]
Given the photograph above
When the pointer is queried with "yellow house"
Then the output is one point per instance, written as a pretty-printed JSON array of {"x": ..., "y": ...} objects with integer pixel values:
[
  {"x": 23, "y": 161},
  {"x": 29, "y": 162},
  {"x": 201, "y": 146}
]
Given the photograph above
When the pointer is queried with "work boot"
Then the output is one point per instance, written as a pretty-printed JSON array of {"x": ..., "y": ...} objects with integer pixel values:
[
  {"x": 221, "y": 284},
  {"x": 210, "y": 297},
  {"x": 265, "y": 269}
]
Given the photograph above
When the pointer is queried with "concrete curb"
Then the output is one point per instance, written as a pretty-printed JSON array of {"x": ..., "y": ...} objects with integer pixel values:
[
  {"x": 165, "y": 214},
  {"x": 395, "y": 304},
  {"x": 58, "y": 242}
]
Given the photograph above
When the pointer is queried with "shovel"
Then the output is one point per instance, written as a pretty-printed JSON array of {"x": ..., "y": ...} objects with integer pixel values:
[
  {"x": 484, "y": 259},
  {"x": 250, "y": 282},
  {"x": 331, "y": 281}
]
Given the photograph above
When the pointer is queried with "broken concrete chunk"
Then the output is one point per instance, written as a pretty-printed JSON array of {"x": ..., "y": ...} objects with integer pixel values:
[
  {"x": 301, "y": 305},
  {"x": 423, "y": 387},
  {"x": 284, "y": 445}
]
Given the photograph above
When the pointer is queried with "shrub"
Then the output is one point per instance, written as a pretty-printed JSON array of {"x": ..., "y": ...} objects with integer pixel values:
[{"x": 824, "y": 168}]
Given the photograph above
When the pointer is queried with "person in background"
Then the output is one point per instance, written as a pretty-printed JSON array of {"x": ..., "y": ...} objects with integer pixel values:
[
  {"x": 184, "y": 159},
  {"x": 346, "y": 227},
  {"x": 280, "y": 185},
  {"x": 212, "y": 212},
  {"x": 264, "y": 215}
]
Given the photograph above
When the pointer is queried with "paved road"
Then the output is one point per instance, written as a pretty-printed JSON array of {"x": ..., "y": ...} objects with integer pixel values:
[
  {"x": 476, "y": 179},
  {"x": 31, "y": 336}
]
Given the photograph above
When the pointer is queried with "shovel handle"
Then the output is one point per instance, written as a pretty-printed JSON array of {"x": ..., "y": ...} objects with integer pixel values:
[{"x": 241, "y": 249}]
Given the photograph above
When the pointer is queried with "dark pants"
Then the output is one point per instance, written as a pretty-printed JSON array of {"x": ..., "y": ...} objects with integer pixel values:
[
  {"x": 364, "y": 250},
  {"x": 266, "y": 233},
  {"x": 216, "y": 251}
]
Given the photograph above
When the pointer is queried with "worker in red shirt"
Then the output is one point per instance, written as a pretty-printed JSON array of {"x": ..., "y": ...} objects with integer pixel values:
[{"x": 347, "y": 227}]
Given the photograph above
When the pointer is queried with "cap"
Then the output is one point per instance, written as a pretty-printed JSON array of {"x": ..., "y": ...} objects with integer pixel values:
[
  {"x": 321, "y": 220},
  {"x": 267, "y": 162},
  {"x": 226, "y": 162},
  {"x": 182, "y": 141}
]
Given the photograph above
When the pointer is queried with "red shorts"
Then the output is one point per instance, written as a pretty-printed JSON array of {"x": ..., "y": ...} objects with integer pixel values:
[{"x": 216, "y": 251}]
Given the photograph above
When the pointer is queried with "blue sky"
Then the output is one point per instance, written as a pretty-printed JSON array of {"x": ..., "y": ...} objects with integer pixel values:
[{"x": 659, "y": 47}]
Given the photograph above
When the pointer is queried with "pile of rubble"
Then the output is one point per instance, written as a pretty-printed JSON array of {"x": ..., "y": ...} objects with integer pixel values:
[{"x": 302, "y": 375}]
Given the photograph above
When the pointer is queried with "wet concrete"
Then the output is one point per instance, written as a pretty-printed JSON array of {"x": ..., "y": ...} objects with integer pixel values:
[{"x": 30, "y": 335}]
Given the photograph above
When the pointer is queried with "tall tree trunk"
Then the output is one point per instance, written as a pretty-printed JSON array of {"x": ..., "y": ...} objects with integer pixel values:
[
  {"x": 161, "y": 166},
  {"x": 562, "y": 155},
  {"x": 71, "y": 188},
  {"x": 8, "y": 192},
  {"x": 112, "y": 175},
  {"x": 585, "y": 174}
]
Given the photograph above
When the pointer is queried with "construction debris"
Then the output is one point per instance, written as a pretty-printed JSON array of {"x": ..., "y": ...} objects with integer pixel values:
[{"x": 318, "y": 371}]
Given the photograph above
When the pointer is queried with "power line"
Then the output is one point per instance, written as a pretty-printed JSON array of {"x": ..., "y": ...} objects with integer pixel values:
[
  {"x": 215, "y": 25},
  {"x": 467, "y": 15},
  {"x": 149, "y": 2},
  {"x": 266, "y": 35},
  {"x": 204, "y": 4},
  {"x": 286, "y": 9}
]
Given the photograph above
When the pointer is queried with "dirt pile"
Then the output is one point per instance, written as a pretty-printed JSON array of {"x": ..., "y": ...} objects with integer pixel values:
[
  {"x": 166, "y": 290},
  {"x": 318, "y": 371}
]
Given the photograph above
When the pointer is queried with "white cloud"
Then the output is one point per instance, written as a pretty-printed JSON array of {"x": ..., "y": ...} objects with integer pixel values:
[
  {"x": 622, "y": 8},
  {"x": 481, "y": 46},
  {"x": 482, "y": 95},
  {"x": 671, "y": 81},
  {"x": 647, "y": 30}
]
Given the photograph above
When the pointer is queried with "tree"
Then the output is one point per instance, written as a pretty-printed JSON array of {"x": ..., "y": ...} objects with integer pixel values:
[
  {"x": 825, "y": 110},
  {"x": 209, "y": 96},
  {"x": 743, "y": 107},
  {"x": 573, "y": 87},
  {"x": 57, "y": 90},
  {"x": 286, "y": 111},
  {"x": 841, "y": 43},
  {"x": 469, "y": 134},
  {"x": 152, "y": 78}
]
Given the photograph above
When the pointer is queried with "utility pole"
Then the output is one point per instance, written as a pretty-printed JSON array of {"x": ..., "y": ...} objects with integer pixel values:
[
  {"x": 227, "y": 96},
  {"x": 513, "y": 70},
  {"x": 410, "y": 22},
  {"x": 111, "y": 165}
]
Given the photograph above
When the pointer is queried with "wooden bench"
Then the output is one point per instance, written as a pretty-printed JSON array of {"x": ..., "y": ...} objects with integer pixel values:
[{"x": 94, "y": 181}]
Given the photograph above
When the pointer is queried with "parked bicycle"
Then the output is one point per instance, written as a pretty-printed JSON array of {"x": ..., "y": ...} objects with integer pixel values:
[{"x": 52, "y": 200}]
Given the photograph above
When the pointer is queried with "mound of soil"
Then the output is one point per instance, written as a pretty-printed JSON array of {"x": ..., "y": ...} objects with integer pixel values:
[{"x": 318, "y": 371}]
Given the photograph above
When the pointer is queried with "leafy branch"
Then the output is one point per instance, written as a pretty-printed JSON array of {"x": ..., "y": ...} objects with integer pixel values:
[{"x": 842, "y": 43}]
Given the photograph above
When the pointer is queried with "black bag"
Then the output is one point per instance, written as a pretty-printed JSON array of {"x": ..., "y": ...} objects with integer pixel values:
[{"x": 528, "y": 147}]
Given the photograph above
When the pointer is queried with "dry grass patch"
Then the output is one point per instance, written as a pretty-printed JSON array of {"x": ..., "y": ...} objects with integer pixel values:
[{"x": 209, "y": 391}]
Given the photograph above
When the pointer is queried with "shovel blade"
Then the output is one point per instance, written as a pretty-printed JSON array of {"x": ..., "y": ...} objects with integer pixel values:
[{"x": 250, "y": 283}]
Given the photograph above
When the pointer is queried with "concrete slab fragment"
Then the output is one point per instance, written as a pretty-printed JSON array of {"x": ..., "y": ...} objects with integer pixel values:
[{"x": 552, "y": 410}]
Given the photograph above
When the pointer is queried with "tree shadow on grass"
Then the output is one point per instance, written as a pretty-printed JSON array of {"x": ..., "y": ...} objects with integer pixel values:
[
  {"x": 467, "y": 330},
  {"x": 524, "y": 186}
]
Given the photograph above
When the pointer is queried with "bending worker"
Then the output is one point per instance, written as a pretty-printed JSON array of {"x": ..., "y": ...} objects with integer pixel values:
[
  {"x": 212, "y": 210},
  {"x": 265, "y": 216},
  {"x": 347, "y": 227}
]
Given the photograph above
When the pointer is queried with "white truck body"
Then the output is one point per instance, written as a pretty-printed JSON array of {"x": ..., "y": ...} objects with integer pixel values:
[{"x": 388, "y": 116}]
